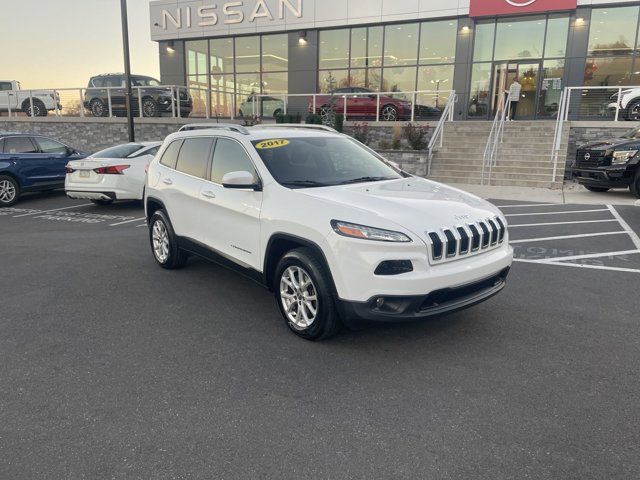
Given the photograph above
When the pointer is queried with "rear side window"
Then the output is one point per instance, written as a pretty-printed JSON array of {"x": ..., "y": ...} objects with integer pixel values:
[
  {"x": 19, "y": 145},
  {"x": 194, "y": 156},
  {"x": 229, "y": 156},
  {"x": 50, "y": 146},
  {"x": 170, "y": 155}
]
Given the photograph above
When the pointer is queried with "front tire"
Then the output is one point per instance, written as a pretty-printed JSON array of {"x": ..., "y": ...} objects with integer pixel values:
[
  {"x": 303, "y": 292},
  {"x": 164, "y": 243},
  {"x": 9, "y": 191},
  {"x": 596, "y": 189},
  {"x": 98, "y": 108},
  {"x": 633, "y": 111},
  {"x": 150, "y": 108},
  {"x": 634, "y": 188},
  {"x": 389, "y": 113}
]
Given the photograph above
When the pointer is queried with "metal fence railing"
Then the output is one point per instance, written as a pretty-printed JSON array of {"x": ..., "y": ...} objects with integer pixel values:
[
  {"x": 197, "y": 102},
  {"x": 601, "y": 103}
]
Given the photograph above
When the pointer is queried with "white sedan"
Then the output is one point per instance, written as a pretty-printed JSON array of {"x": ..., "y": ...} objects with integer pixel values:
[{"x": 115, "y": 173}]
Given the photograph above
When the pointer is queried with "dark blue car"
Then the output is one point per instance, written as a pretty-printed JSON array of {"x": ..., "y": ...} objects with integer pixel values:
[{"x": 31, "y": 163}]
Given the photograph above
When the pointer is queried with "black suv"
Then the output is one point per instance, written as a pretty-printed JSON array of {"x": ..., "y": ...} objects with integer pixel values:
[
  {"x": 156, "y": 100},
  {"x": 607, "y": 164}
]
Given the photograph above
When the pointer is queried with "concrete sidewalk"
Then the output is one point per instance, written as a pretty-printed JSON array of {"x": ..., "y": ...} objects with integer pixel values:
[{"x": 570, "y": 193}]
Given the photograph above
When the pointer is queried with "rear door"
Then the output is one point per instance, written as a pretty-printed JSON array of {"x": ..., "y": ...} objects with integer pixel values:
[
  {"x": 32, "y": 165},
  {"x": 232, "y": 219},
  {"x": 57, "y": 155},
  {"x": 182, "y": 184}
]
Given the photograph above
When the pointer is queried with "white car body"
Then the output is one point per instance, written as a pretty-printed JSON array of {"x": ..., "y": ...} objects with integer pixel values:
[
  {"x": 627, "y": 97},
  {"x": 83, "y": 179},
  {"x": 263, "y": 106},
  {"x": 240, "y": 225},
  {"x": 13, "y": 98}
]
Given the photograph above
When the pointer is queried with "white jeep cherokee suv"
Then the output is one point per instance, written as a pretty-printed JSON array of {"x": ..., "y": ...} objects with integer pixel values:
[{"x": 338, "y": 233}]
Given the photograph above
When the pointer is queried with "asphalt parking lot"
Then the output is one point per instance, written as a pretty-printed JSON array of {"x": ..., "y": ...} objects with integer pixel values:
[{"x": 111, "y": 367}]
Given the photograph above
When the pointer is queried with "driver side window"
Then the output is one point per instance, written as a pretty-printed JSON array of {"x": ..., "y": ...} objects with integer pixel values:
[
  {"x": 50, "y": 146},
  {"x": 229, "y": 156}
]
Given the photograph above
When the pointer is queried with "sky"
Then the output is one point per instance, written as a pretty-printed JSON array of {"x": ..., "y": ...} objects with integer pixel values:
[{"x": 62, "y": 43}]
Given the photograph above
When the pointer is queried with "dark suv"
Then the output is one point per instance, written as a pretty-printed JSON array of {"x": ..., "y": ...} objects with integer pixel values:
[
  {"x": 155, "y": 100},
  {"x": 607, "y": 164}
]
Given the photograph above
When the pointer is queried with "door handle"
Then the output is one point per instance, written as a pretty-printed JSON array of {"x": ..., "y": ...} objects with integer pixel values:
[
  {"x": 167, "y": 181},
  {"x": 208, "y": 194}
]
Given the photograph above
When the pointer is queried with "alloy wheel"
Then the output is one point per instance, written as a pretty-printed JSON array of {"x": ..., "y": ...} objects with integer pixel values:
[
  {"x": 149, "y": 108},
  {"x": 635, "y": 112},
  {"x": 7, "y": 191},
  {"x": 389, "y": 113},
  {"x": 299, "y": 297},
  {"x": 160, "y": 238}
]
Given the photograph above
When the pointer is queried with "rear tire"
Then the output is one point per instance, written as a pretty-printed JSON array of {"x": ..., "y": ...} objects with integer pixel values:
[
  {"x": 389, "y": 113},
  {"x": 633, "y": 111},
  {"x": 102, "y": 202},
  {"x": 634, "y": 188},
  {"x": 39, "y": 110},
  {"x": 150, "y": 108},
  {"x": 98, "y": 108},
  {"x": 304, "y": 294},
  {"x": 596, "y": 189},
  {"x": 164, "y": 243},
  {"x": 9, "y": 191}
]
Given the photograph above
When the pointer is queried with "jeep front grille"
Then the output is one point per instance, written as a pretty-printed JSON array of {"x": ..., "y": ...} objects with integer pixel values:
[{"x": 460, "y": 241}]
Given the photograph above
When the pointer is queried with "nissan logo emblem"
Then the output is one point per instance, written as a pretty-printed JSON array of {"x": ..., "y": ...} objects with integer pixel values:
[
  {"x": 587, "y": 156},
  {"x": 520, "y": 3}
]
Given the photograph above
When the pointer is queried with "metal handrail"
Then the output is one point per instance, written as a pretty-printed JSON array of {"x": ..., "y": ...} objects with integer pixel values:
[
  {"x": 496, "y": 135},
  {"x": 557, "y": 134},
  {"x": 438, "y": 132}
]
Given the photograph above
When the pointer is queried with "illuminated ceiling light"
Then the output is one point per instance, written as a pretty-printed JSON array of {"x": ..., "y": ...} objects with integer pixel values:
[
  {"x": 466, "y": 28},
  {"x": 302, "y": 37},
  {"x": 170, "y": 46},
  {"x": 580, "y": 20}
]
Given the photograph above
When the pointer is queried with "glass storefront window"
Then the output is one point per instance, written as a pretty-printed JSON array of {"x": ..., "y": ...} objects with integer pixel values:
[
  {"x": 439, "y": 80},
  {"x": 399, "y": 79},
  {"x": 479, "y": 95},
  {"x": 221, "y": 55},
  {"x": 248, "y": 54},
  {"x": 519, "y": 38},
  {"x": 438, "y": 41},
  {"x": 401, "y": 44},
  {"x": 374, "y": 46},
  {"x": 222, "y": 88},
  {"x": 613, "y": 30},
  {"x": 366, "y": 47},
  {"x": 557, "y": 32},
  {"x": 334, "y": 49},
  {"x": 275, "y": 53},
  {"x": 484, "y": 35},
  {"x": 332, "y": 79},
  {"x": 196, "y": 52},
  {"x": 549, "y": 98},
  {"x": 608, "y": 71},
  {"x": 367, "y": 78},
  {"x": 275, "y": 83}
]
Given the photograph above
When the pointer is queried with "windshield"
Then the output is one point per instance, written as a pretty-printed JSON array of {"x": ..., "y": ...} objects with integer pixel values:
[
  {"x": 144, "y": 82},
  {"x": 121, "y": 151},
  {"x": 304, "y": 162},
  {"x": 633, "y": 133}
]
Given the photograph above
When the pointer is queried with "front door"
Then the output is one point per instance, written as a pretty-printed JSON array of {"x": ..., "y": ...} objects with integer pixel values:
[{"x": 528, "y": 74}]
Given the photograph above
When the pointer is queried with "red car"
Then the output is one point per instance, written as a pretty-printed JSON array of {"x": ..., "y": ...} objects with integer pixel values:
[{"x": 362, "y": 103}]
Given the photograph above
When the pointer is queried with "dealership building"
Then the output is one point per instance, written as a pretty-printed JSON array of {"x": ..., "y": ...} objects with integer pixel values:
[{"x": 473, "y": 47}]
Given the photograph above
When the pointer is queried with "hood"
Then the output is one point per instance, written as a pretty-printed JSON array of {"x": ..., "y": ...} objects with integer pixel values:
[
  {"x": 416, "y": 204},
  {"x": 621, "y": 143}
]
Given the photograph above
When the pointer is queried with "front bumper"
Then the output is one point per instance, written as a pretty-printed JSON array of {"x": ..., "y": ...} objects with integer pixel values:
[
  {"x": 610, "y": 177},
  {"x": 439, "y": 302}
]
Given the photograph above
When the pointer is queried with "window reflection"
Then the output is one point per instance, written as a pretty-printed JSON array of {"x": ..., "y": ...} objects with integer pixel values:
[
  {"x": 248, "y": 54},
  {"x": 400, "y": 44},
  {"x": 479, "y": 93},
  {"x": 435, "y": 46},
  {"x": 221, "y": 55},
  {"x": 399, "y": 79},
  {"x": 332, "y": 79},
  {"x": 275, "y": 53},
  {"x": 520, "y": 38},
  {"x": 557, "y": 33},
  {"x": 334, "y": 49},
  {"x": 484, "y": 35},
  {"x": 439, "y": 80},
  {"x": 613, "y": 30}
]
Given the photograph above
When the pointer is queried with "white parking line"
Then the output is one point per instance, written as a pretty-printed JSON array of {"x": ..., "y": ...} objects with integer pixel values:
[
  {"x": 527, "y": 205},
  {"x": 52, "y": 210},
  {"x": 555, "y": 213},
  {"x": 143, "y": 225},
  {"x": 634, "y": 236},
  {"x": 560, "y": 223},
  {"x": 579, "y": 265},
  {"x": 586, "y": 256},
  {"x": 563, "y": 237},
  {"x": 127, "y": 221}
]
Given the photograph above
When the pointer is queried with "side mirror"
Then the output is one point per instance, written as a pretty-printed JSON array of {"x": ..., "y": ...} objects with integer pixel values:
[
  {"x": 70, "y": 151},
  {"x": 240, "y": 180}
]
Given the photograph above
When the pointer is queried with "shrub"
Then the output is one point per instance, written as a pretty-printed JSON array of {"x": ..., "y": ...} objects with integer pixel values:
[
  {"x": 416, "y": 136},
  {"x": 339, "y": 122},
  {"x": 313, "y": 119},
  {"x": 288, "y": 118},
  {"x": 396, "y": 144},
  {"x": 384, "y": 145},
  {"x": 251, "y": 120},
  {"x": 361, "y": 132}
]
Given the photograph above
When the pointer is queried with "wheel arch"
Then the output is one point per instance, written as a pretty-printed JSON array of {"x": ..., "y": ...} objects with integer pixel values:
[
  {"x": 281, "y": 243},
  {"x": 152, "y": 205},
  {"x": 12, "y": 175}
]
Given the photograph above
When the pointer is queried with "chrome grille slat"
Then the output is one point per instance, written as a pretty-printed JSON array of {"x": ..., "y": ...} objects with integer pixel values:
[{"x": 459, "y": 241}]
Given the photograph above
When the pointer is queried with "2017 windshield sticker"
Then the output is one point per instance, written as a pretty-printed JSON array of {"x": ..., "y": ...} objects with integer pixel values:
[{"x": 274, "y": 143}]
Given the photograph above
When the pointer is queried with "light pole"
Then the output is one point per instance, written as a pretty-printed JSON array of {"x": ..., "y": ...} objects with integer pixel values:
[{"x": 127, "y": 69}]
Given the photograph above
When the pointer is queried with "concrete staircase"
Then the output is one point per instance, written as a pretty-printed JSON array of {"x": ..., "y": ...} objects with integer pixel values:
[{"x": 523, "y": 159}]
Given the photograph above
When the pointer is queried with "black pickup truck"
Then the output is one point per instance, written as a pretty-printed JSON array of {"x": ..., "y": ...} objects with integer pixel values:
[{"x": 612, "y": 163}]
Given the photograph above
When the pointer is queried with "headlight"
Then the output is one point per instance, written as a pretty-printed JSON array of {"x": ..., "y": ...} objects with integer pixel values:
[
  {"x": 623, "y": 156},
  {"x": 367, "y": 233}
]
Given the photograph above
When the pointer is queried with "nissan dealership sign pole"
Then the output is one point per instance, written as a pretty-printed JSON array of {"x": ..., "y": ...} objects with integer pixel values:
[{"x": 127, "y": 68}]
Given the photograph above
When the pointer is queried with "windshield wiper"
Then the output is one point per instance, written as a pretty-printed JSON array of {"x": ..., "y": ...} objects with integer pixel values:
[
  {"x": 304, "y": 183},
  {"x": 365, "y": 179}
]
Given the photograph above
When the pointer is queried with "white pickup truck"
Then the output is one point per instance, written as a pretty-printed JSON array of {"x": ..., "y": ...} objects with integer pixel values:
[{"x": 35, "y": 103}]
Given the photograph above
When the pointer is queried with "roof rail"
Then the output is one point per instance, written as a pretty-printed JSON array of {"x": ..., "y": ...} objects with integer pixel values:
[
  {"x": 232, "y": 127},
  {"x": 308, "y": 126}
]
